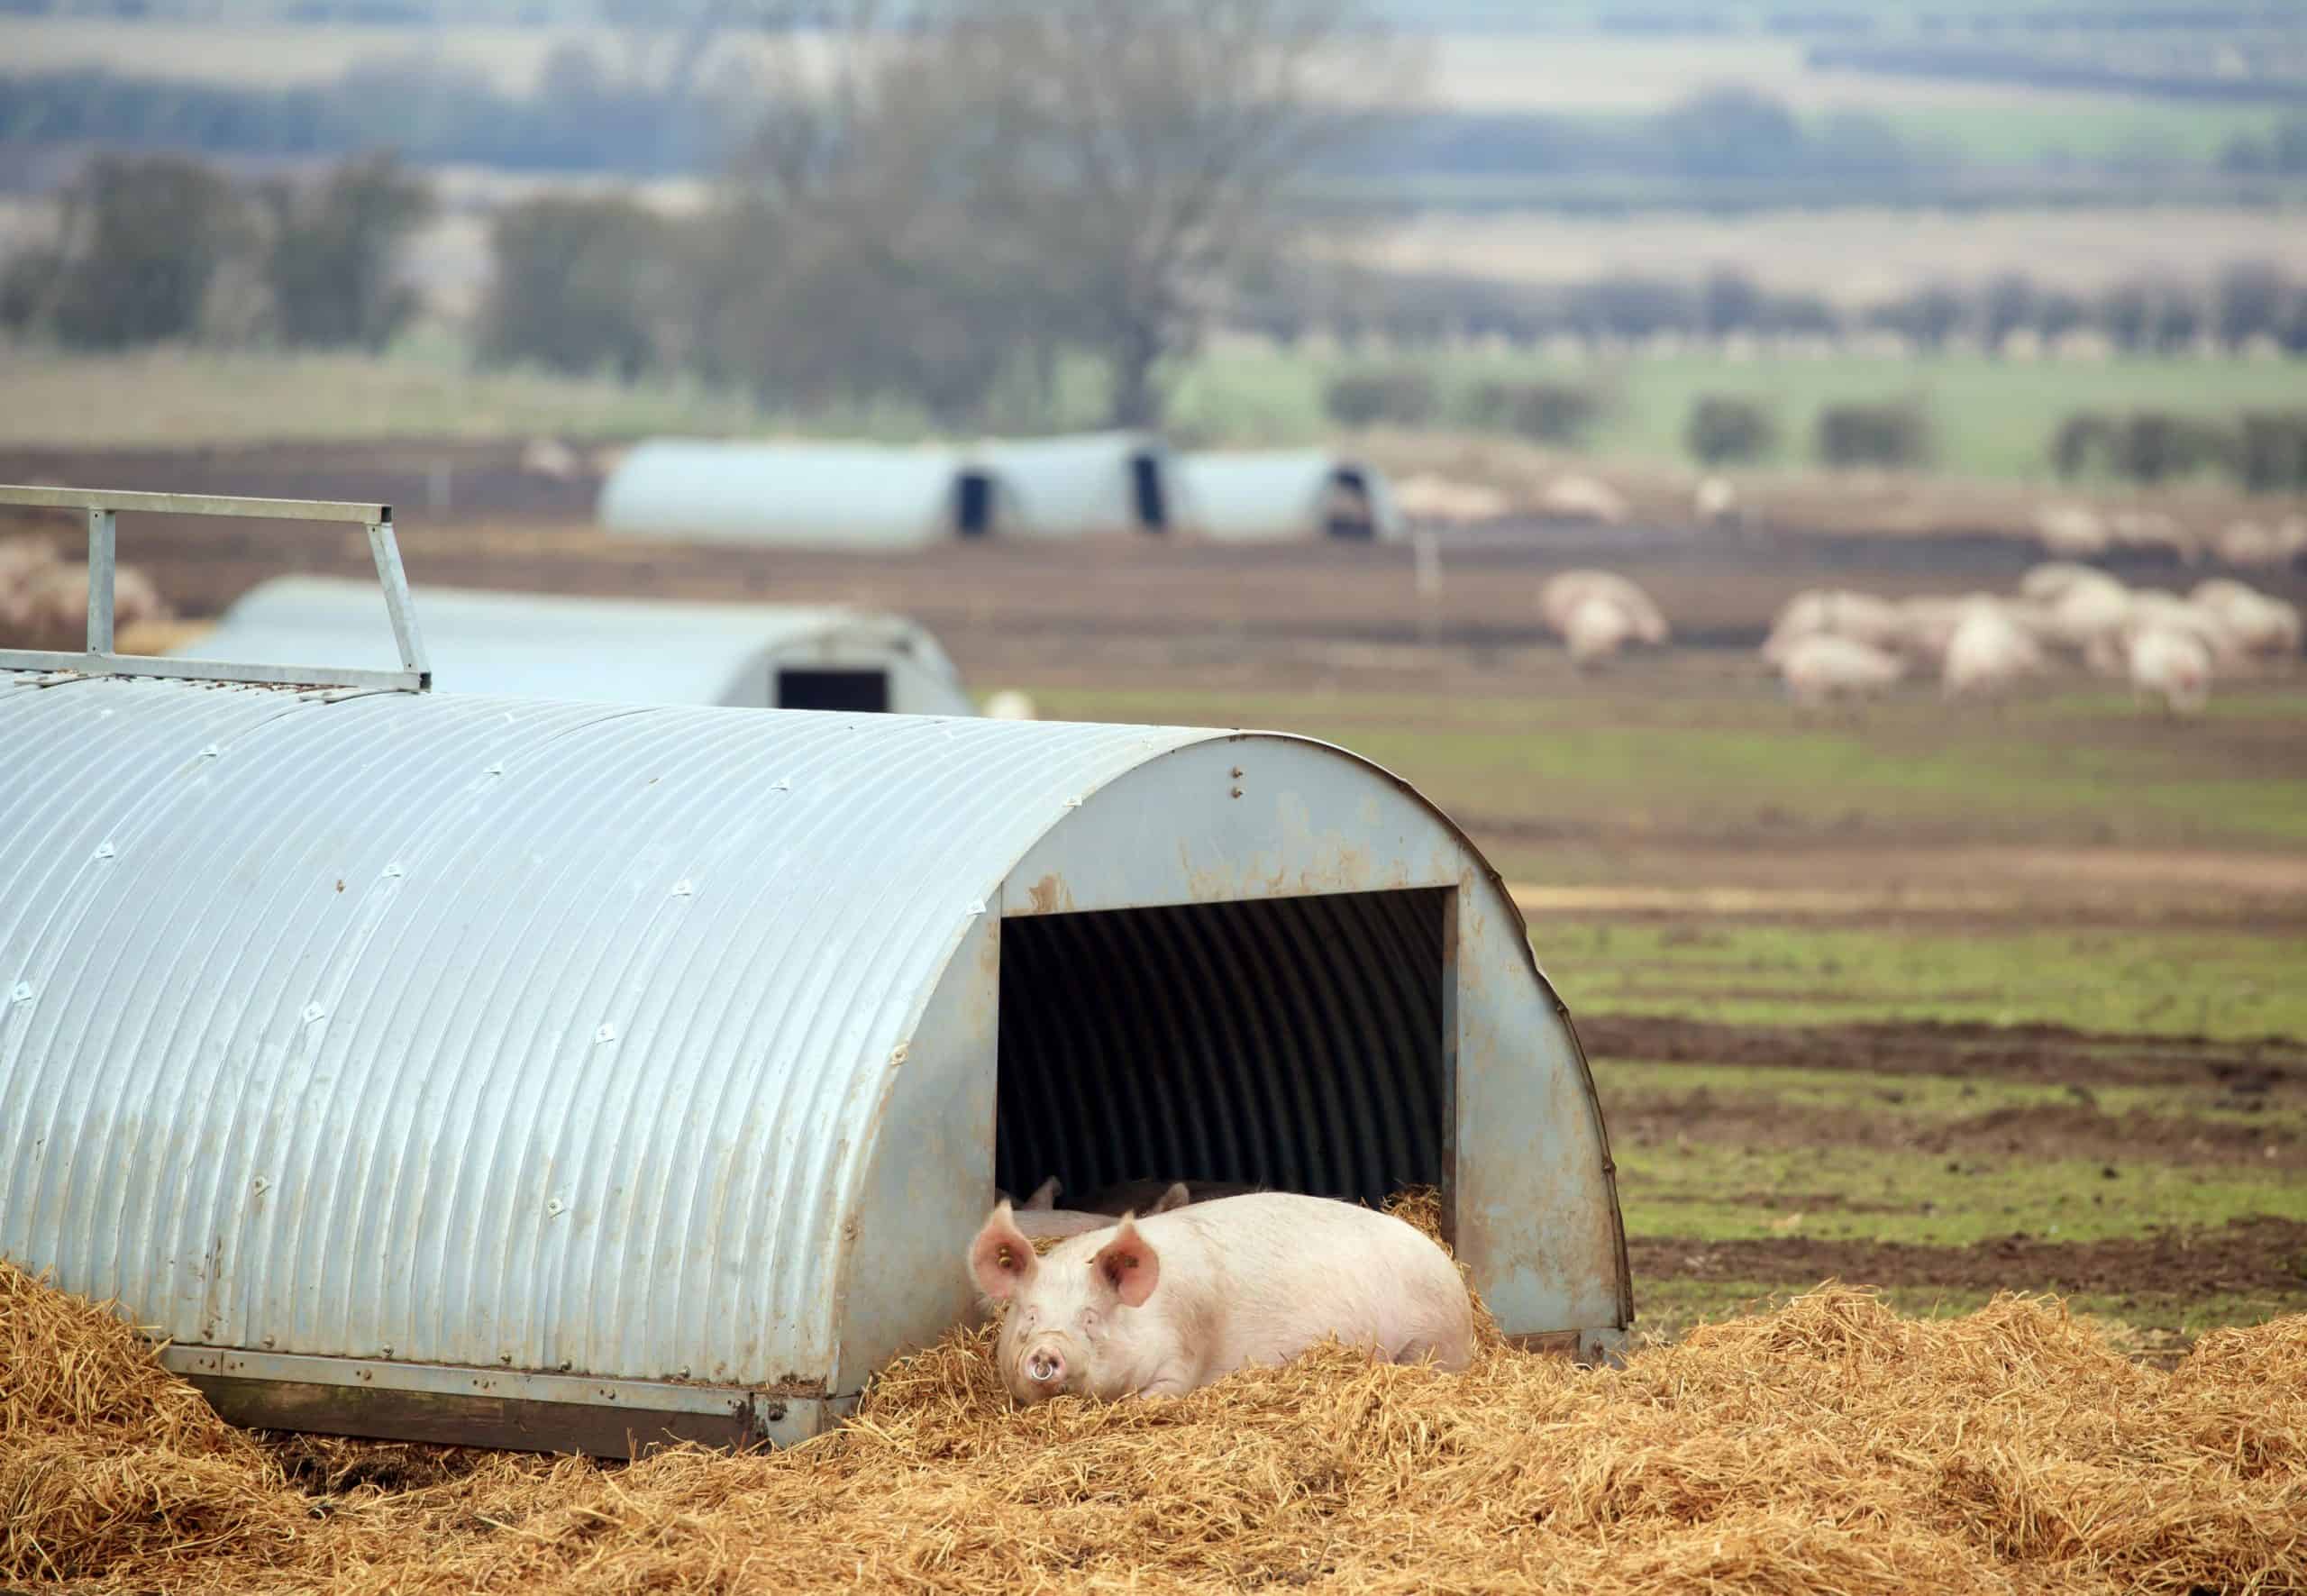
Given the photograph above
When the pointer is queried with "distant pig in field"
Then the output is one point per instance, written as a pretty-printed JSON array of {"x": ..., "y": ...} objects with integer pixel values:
[
  {"x": 1162, "y": 1306},
  {"x": 1159, "y": 1197}
]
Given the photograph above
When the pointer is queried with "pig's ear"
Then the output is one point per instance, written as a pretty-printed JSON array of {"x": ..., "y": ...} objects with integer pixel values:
[
  {"x": 1129, "y": 1264},
  {"x": 1001, "y": 1259},
  {"x": 1176, "y": 1197},
  {"x": 1045, "y": 1195}
]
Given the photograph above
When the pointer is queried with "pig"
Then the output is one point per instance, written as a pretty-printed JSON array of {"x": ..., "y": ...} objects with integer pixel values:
[
  {"x": 1159, "y": 1197},
  {"x": 1165, "y": 1305},
  {"x": 1041, "y": 1219}
]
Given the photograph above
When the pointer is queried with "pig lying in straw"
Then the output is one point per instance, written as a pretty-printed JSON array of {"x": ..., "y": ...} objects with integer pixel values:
[{"x": 1165, "y": 1305}]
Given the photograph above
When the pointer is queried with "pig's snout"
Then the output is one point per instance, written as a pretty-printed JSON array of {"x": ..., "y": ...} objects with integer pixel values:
[{"x": 1044, "y": 1369}]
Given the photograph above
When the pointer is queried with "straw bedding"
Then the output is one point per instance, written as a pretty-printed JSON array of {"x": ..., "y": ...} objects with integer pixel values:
[{"x": 1827, "y": 1445}]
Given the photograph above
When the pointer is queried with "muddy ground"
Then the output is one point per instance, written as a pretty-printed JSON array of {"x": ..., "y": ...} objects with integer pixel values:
[
  {"x": 2223, "y": 1107},
  {"x": 2272, "y": 1072}
]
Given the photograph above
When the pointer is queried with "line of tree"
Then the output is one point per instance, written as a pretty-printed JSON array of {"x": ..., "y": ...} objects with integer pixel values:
[
  {"x": 2265, "y": 451},
  {"x": 1721, "y": 428},
  {"x": 162, "y": 248},
  {"x": 2246, "y": 302}
]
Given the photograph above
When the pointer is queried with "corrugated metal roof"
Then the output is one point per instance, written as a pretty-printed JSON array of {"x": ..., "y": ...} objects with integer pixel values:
[
  {"x": 488, "y": 1032},
  {"x": 835, "y": 495},
  {"x": 1275, "y": 496},
  {"x": 606, "y": 650}
]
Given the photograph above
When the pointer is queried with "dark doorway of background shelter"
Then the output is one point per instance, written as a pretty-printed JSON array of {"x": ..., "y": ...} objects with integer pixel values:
[
  {"x": 855, "y": 691},
  {"x": 1146, "y": 485},
  {"x": 973, "y": 504},
  {"x": 1348, "y": 513}
]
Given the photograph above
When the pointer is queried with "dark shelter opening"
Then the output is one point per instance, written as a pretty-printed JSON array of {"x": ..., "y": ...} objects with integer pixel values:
[
  {"x": 851, "y": 691},
  {"x": 1298, "y": 1043}
]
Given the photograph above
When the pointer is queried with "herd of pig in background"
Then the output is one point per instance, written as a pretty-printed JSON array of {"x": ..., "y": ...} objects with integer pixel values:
[
  {"x": 1826, "y": 644},
  {"x": 44, "y": 599},
  {"x": 1829, "y": 645}
]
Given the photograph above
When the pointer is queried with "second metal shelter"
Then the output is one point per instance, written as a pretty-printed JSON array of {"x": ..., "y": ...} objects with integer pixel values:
[{"x": 537, "y": 645}]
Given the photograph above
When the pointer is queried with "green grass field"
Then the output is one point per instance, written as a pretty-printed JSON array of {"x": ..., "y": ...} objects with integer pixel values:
[
  {"x": 2227, "y": 985},
  {"x": 1728, "y": 762},
  {"x": 1992, "y": 418},
  {"x": 1714, "y": 1194},
  {"x": 2082, "y": 127}
]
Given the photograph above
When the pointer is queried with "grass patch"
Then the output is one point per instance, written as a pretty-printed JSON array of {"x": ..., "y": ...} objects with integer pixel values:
[
  {"x": 169, "y": 396},
  {"x": 1913, "y": 1099},
  {"x": 2220, "y": 984},
  {"x": 1712, "y": 765},
  {"x": 2090, "y": 127},
  {"x": 1728, "y": 1193}
]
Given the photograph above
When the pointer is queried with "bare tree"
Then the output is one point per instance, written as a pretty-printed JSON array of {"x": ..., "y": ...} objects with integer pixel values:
[
  {"x": 1024, "y": 176},
  {"x": 1146, "y": 151}
]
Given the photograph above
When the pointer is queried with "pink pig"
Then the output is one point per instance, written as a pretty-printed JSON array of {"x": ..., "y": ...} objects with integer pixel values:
[
  {"x": 1163, "y": 1305},
  {"x": 1040, "y": 1217}
]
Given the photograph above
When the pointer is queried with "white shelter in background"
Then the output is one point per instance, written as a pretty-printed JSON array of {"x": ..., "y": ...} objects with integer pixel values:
[
  {"x": 1285, "y": 496},
  {"x": 801, "y": 494},
  {"x": 870, "y": 496},
  {"x": 1090, "y": 485}
]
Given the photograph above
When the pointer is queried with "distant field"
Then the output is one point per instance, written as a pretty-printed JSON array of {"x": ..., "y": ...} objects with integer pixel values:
[
  {"x": 1851, "y": 256},
  {"x": 1994, "y": 418},
  {"x": 2045, "y": 126},
  {"x": 1732, "y": 763},
  {"x": 281, "y": 53},
  {"x": 1568, "y": 71},
  {"x": 171, "y": 396},
  {"x": 2224, "y": 985}
]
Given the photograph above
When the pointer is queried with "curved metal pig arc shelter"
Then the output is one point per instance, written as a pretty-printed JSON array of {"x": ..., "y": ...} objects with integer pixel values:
[{"x": 573, "y": 1075}]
